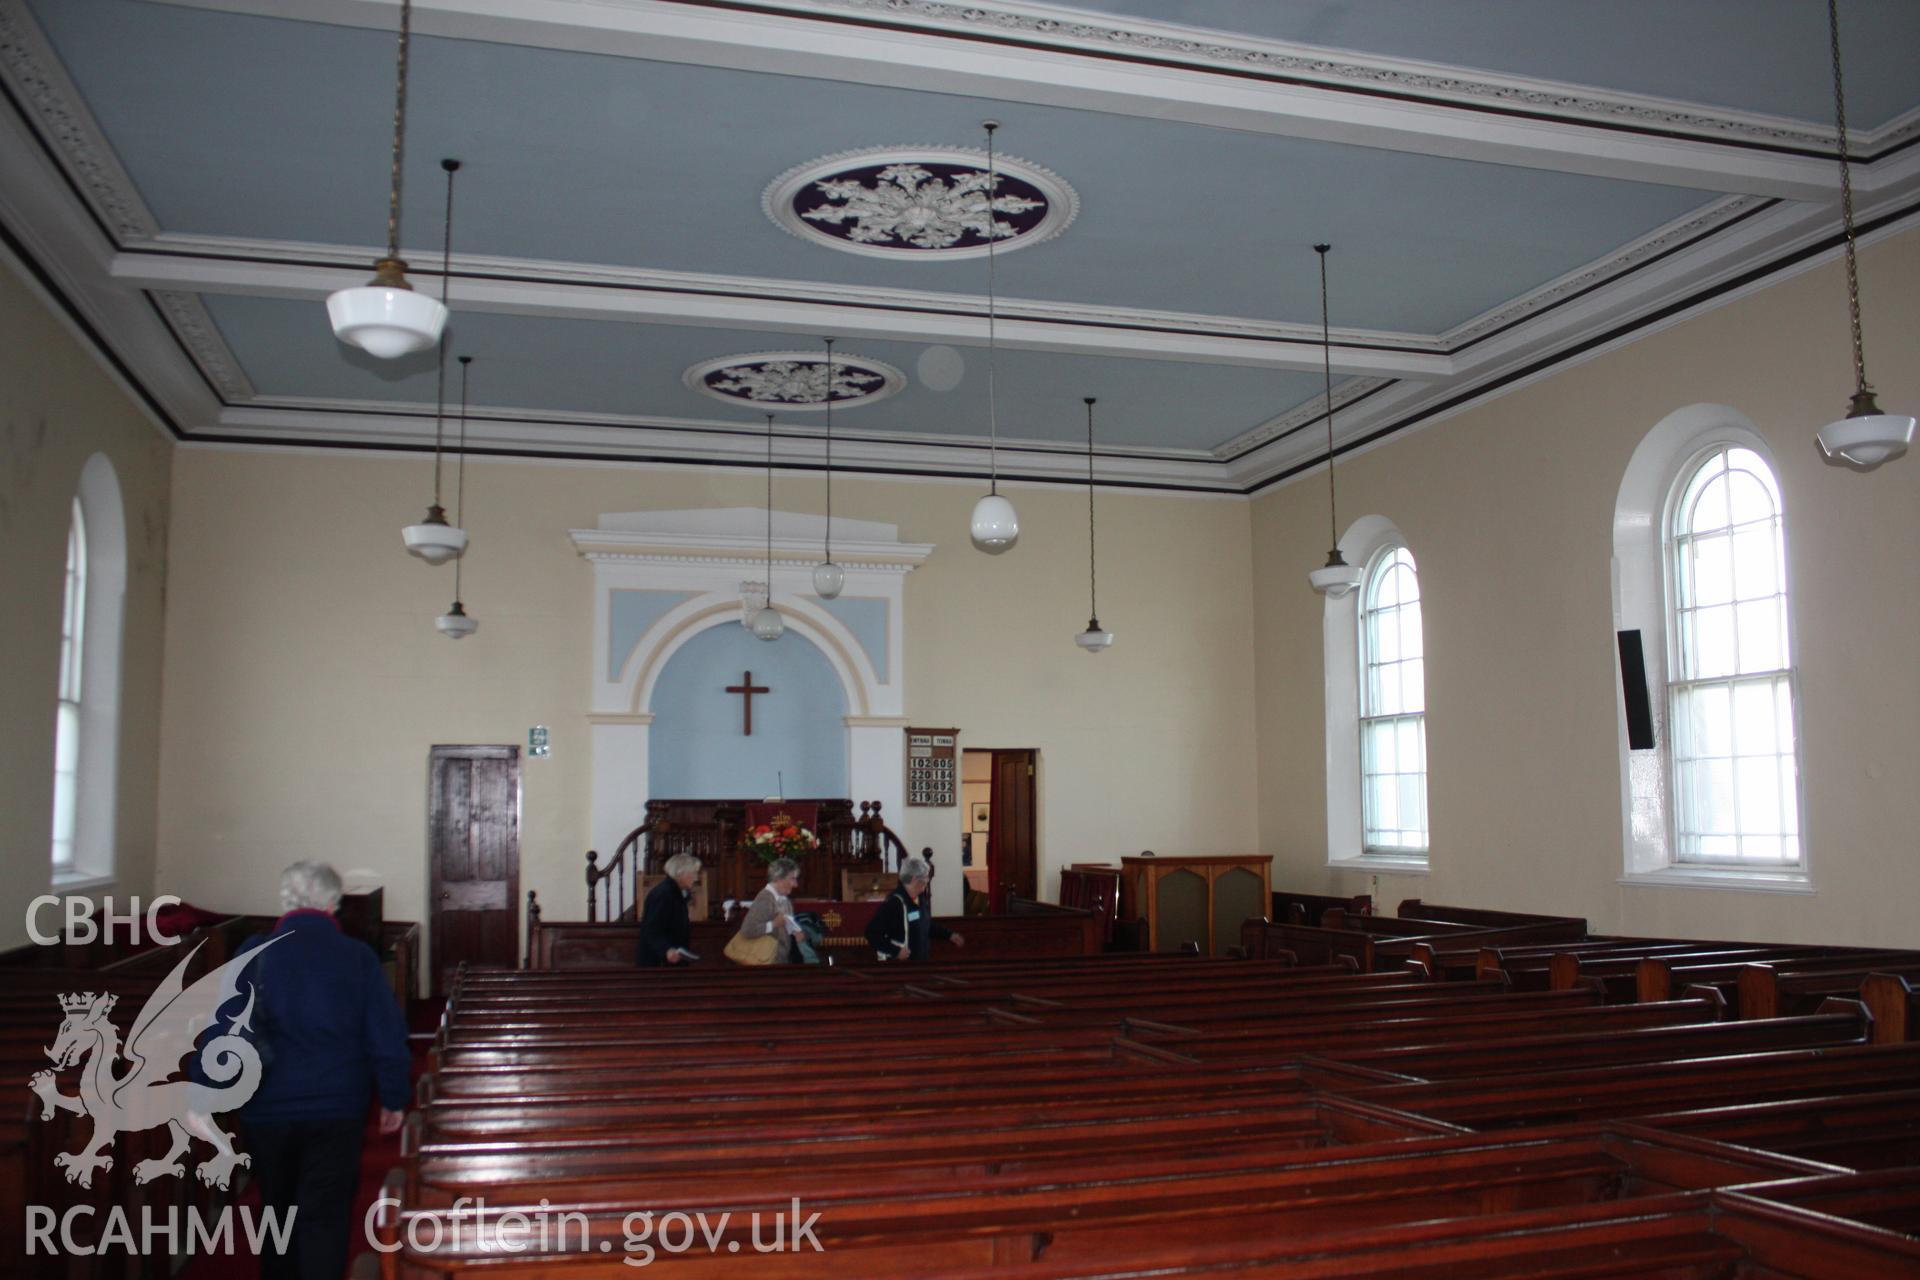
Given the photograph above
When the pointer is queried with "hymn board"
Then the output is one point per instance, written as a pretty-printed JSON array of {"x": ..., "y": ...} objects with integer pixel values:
[{"x": 932, "y": 767}]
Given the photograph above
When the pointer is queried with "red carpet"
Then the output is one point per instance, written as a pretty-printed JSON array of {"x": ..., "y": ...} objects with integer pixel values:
[{"x": 382, "y": 1154}]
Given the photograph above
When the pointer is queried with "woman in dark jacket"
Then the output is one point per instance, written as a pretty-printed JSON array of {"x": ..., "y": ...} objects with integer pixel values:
[
  {"x": 904, "y": 928},
  {"x": 665, "y": 927}
]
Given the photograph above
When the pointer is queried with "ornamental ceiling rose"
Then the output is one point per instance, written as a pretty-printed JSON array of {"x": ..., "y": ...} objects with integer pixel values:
[
  {"x": 919, "y": 202},
  {"x": 794, "y": 380}
]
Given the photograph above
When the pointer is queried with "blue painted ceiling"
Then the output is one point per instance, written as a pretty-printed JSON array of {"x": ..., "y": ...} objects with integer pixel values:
[{"x": 269, "y": 129}]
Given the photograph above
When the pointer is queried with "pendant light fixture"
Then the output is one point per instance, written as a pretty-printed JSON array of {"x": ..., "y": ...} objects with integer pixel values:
[
  {"x": 828, "y": 577},
  {"x": 767, "y": 624},
  {"x": 1094, "y": 639},
  {"x": 1335, "y": 578},
  {"x": 385, "y": 317},
  {"x": 454, "y": 623},
  {"x": 995, "y": 526},
  {"x": 433, "y": 539},
  {"x": 1866, "y": 437}
]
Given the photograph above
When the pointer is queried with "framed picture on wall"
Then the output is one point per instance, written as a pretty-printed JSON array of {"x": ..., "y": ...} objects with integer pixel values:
[{"x": 981, "y": 815}]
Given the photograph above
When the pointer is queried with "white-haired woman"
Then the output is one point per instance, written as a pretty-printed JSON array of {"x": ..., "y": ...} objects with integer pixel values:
[
  {"x": 330, "y": 1034},
  {"x": 904, "y": 928},
  {"x": 770, "y": 916},
  {"x": 665, "y": 926}
]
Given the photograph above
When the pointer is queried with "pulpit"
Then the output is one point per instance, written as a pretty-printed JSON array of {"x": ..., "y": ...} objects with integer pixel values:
[
  {"x": 855, "y": 849},
  {"x": 1194, "y": 899}
]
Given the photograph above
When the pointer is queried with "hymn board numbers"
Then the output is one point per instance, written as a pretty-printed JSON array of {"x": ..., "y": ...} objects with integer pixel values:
[{"x": 933, "y": 765}]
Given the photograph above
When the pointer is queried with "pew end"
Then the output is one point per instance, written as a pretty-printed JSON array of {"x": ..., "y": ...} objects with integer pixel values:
[{"x": 1894, "y": 1006}]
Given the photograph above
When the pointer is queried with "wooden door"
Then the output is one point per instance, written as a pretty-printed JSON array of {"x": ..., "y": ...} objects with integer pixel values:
[
  {"x": 473, "y": 855},
  {"x": 1012, "y": 861}
]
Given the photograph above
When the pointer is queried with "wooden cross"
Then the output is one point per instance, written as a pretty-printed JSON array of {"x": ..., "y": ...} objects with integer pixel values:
[{"x": 746, "y": 689}]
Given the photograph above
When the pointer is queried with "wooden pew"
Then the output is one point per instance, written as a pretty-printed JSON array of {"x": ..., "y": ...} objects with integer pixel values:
[
  {"x": 1619, "y": 1092},
  {"x": 1859, "y": 1130},
  {"x": 1212, "y": 1093},
  {"x": 1774, "y": 990}
]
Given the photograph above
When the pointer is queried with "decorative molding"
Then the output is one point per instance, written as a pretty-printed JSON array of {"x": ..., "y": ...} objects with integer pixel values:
[
  {"x": 33, "y": 71},
  {"x": 919, "y": 202},
  {"x": 619, "y": 717},
  {"x": 1344, "y": 393},
  {"x": 1650, "y": 246},
  {"x": 187, "y": 316},
  {"x": 1340, "y": 69},
  {"x": 876, "y": 722},
  {"x": 794, "y": 380}
]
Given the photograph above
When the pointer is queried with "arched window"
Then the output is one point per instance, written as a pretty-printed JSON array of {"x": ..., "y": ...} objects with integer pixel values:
[
  {"x": 1735, "y": 766},
  {"x": 66, "y": 734},
  {"x": 1393, "y": 705},
  {"x": 86, "y": 745}
]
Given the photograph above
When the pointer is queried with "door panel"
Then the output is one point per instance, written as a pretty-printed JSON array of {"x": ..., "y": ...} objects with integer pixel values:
[
  {"x": 473, "y": 830},
  {"x": 1012, "y": 860}
]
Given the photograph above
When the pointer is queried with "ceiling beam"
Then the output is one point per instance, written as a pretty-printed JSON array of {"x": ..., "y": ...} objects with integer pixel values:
[
  {"x": 1156, "y": 73},
  {"x": 506, "y": 287}
]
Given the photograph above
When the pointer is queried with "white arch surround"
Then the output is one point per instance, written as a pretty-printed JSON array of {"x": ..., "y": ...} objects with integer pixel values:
[
  {"x": 1641, "y": 516},
  {"x": 104, "y": 513},
  {"x": 665, "y": 638},
  {"x": 706, "y": 558}
]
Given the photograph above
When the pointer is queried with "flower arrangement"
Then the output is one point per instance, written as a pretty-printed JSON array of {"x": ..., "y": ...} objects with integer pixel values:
[{"x": 780, "y": 838}]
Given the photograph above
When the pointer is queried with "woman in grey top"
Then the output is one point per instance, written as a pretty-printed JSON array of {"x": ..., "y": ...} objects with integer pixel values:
[{"x": 772, "y": 910}]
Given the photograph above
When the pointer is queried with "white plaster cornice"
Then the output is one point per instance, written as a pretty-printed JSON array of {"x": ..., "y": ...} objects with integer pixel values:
[
  {"x": 187, "y": 316},
  {"x": 1009, "y": 51},
  {"x": 33, "y": 71}
]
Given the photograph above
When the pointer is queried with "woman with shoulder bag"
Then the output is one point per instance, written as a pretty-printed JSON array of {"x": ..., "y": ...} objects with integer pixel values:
[{"x": 766, "y": 935}]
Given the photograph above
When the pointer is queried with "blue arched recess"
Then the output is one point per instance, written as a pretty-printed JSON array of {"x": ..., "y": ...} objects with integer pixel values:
[{"x": 697, "y": 751}]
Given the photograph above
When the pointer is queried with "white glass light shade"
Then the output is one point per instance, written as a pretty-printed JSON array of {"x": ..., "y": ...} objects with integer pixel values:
[
  {"x": 455, "y": 624},
  {"x": 768, "y": 624},
  {"x": 435, "y": 541},
  {"x": 828, "y": 578},
  {"x": 1336, "y": 577},
  {"x": 1093, "y": 639},
  {"x": 995, "y": 526},
  {"x": 385, "y": 317},
  {"x": 1867, "y": 440}
]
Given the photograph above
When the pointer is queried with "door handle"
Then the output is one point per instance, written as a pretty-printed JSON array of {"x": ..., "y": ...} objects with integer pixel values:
[{"x": 446, "y": 895}]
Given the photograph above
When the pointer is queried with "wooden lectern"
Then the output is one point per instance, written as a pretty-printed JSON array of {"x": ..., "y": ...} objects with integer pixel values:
[{"x": 1199, "y": 899}]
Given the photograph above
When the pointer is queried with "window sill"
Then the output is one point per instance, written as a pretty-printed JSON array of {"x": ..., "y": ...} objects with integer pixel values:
[
  {"x": 1397, "y": 864},
  {"x": 80, "y": 880},
  {"x": 1747, "y": 879}
]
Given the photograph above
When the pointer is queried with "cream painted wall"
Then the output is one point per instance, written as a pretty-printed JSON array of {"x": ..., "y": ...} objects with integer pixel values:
[
  {"x": 1508, "y": 509},
  {"x": 57, "y": 409},
  {"x": 305, "y": 681}
]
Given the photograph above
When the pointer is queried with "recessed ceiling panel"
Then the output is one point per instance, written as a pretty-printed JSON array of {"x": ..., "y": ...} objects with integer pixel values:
[{"x": 253, "y": 127}]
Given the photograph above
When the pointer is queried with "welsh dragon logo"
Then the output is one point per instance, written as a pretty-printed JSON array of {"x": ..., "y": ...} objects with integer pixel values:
[{"x": 145, "y": 1095}]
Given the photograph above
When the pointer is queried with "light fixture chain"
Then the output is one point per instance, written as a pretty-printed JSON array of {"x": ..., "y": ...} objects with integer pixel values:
[
  {"x": 1846, "y": 200},
  {"x": 446, "y": 260},
  {"x": 993, "y": 411},
  {"x": 460, "y": 490},
  {"x": 1093, "y": 574},
  {"x": 1326, "y": 365},
  {"x": 769, "y": 510},
  {"x": 829, "y": 540},
  {"x": 399, "y": 130}
]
